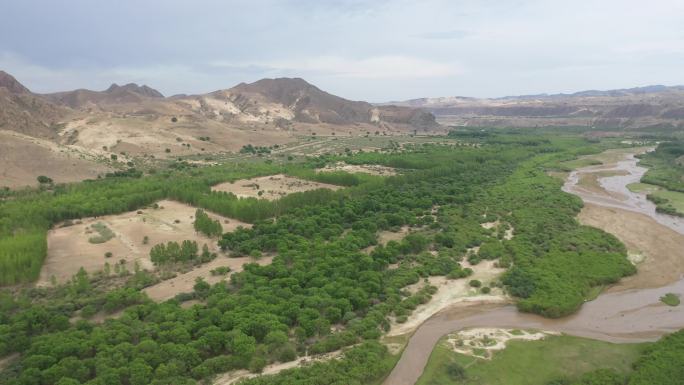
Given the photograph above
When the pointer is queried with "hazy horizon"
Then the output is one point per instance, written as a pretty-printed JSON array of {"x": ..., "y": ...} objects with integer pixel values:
[{"x": 378, "y": 51}]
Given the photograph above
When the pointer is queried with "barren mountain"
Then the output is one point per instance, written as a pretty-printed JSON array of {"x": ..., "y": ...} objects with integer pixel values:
[
  {"x": 626, "y": 109},
  {"x": 25, "y": 112},
  {"x": 115, "y": 94},
  {"x": 288, "y": 101},
  {"x": 133, "y": 120}
]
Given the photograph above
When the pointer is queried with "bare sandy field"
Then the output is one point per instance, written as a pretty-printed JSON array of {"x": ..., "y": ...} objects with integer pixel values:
[
  {"x": 184, "y": 283},
  {"x": 372, "y": 169},
  {"x": 483, "y": 342},
  {"x": 660, "y": 246},
  {"x": 24, "y": 158},
  {"x": 452, "y": 292},
  {"x": 386, "y": 236},
  {"x": 272, "y": 186},
  {"x": 153, "y": 134},
  {"x": 69, "y": 248}
]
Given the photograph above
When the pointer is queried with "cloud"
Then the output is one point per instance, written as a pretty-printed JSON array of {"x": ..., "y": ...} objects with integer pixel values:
[
  {"x": 366, "y": 49},
  {"x": 443, "y": 35},
  {"x": 376, "y": 67},
  {"x": 43, "y": 79}
]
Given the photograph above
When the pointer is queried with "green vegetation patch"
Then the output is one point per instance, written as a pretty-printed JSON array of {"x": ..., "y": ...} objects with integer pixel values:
[
  {"x": 642, "y": 187},
  {"x": 205, "y": 225},
  {"x": 104, "y": 233},
  {"x": 321, "y": 293},
  {"x": 579, "y": 163},
  {"x": 530, "y": 362},
  {"x": 666, "y": 171},
  {"x": 670, "y": 299},
  {"x": 673, "y": 199}
]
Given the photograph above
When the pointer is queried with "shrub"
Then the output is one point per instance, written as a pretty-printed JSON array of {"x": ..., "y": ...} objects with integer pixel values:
[
  {"x": 104, "y": 233},
  {"x": 221, "y": 270},
  {"x": 456, "y": 371},
  {"x": 670, "y": 299}
]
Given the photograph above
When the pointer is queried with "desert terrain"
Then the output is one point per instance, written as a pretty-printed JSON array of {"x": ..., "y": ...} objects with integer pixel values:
[{"x": 23, "y": 158}]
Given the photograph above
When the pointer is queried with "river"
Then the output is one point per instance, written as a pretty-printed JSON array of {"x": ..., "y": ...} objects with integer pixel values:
[{"x": 627, "y": 316}]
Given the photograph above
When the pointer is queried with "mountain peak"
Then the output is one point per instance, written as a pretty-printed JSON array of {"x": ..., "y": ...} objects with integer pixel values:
[
  {"x": 8, "y": 81},
  {"x": 132, "y": 87},
  {"x": 277, "y": 86}
]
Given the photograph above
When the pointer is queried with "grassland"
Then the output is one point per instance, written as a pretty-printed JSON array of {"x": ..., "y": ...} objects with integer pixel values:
[
  {"x": 531, "y": 362},
  {"x": 674, "y": 198}
]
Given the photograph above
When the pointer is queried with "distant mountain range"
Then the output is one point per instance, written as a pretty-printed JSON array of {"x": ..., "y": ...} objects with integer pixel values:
[
  {"x": 638, "y": 108},
  {"x": 79, "y": 134},
  {"x": 268, "y": 104}
]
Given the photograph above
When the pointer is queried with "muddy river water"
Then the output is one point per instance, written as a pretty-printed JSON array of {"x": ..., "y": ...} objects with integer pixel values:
[
  {"x": 627, "y": 316},
  {"x": 615, "y": 193}
]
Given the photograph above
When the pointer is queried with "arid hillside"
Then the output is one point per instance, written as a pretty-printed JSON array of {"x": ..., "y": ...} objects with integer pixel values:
[
  {"x": 139, "y": 120},
  {"x": 85, "y": 128},
  {"x": 626, "y": 109},
  {"x": 25, "y": 112},
  {"x": 115, "y": 94}
]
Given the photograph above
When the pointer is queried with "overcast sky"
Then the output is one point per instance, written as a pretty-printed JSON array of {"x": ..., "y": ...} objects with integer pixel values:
[{"x": 366, "y": 50}]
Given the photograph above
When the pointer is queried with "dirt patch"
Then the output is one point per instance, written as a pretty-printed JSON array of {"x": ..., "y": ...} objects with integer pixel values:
[
  {"x": 372, "y": 169},
  {"x": 183, "y": 283},
  {"x": 386, "y": 236},
  {"x": 238, "y": 375},
  {"x": 6, "y": 361},
  {"x": 483, "y": 342},
  {"x": 658, "y": 247},
  {"x": 450, "y": 292},
  {"x": 490, "y": 225},
  {"x": 270, "y": 187},
  {"x": 69, "y": 247},
  {"x": 508, "y": 232}
]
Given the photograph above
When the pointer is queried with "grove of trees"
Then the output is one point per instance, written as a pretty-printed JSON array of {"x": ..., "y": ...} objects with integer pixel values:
[{"x": 207, "y": 226}]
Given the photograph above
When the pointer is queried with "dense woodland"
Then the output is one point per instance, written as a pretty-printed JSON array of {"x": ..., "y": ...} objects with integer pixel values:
[
  {"x": 665, "y": 165},
  {"x": 321, "y": 292}
]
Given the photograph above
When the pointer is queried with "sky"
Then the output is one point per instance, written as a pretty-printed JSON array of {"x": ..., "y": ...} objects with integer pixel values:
[{"x": 377, "y": 51}]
